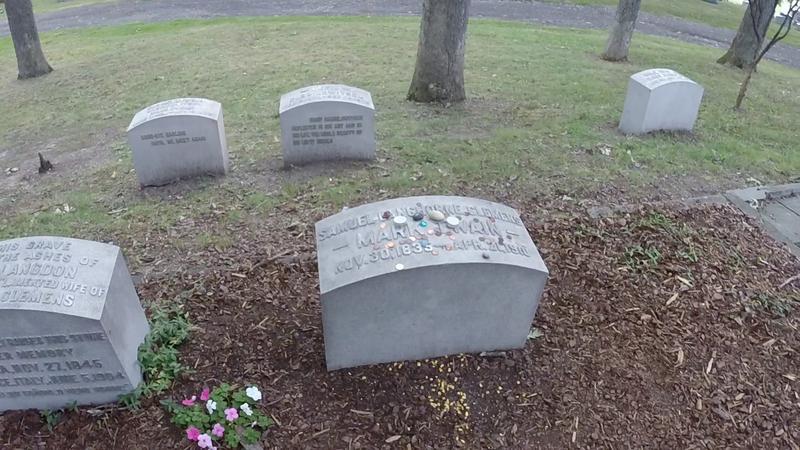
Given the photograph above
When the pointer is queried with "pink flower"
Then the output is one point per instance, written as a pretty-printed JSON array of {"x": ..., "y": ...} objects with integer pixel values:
[
  {"x": 205, "y": 394},
  {"x": 204, "y": 441},
  {"x": 218, "y": 430},
  {"x": 231, "y": 414},
  {"x": 189, "y": 401},
  {"x": 192, "y": 433}
]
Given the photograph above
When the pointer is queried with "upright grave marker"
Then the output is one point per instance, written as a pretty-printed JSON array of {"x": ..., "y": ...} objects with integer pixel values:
[
  {"x": 70, "y": 324},
  {"x": 660, "y": 99},
  {"x": 328, "y": 122},
  {"x": 420, "y": 277},
  {"x": 176, "y": 139}
]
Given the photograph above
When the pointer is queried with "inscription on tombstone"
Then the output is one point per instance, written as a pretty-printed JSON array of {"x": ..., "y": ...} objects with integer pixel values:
[
  {"x": 328, "y": 122},
  {"x": 70, "y": 324},
  {"x": 176, "y": 139},
  {"x": 660, "y": 99},
  {"x": 420, "y": 277}
]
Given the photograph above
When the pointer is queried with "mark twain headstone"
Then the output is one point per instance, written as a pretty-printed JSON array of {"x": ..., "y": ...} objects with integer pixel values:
[
  {"x": 177, "y": 139},
  {"x": 70, "y": 324},
  {"x": 660, "y": 99},
  {"x": 328, "y": 122},
  {"x": 420, "y": 277}
]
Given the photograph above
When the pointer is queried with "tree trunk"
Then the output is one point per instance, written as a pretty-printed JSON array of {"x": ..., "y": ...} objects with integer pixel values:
[
  {"x": 30, "y": 59},
  {"x": 743, "y": 88},
  {"x": 619, "y": 40},
  {"x": 746, "y": 44},
  {"x": 439, "y": 74}
]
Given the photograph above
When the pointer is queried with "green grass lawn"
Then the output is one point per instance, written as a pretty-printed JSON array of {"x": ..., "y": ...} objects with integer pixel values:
[
  {"x": 722, "y": 15},
  {"x": 541, "y": 103}
]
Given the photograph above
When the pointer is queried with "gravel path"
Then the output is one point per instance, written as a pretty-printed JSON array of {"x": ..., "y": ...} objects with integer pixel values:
[{"x": 129, "y": 11}]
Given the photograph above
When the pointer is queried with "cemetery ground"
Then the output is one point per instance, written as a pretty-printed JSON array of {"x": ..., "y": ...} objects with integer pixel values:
[{"x": 663, "y": 327}]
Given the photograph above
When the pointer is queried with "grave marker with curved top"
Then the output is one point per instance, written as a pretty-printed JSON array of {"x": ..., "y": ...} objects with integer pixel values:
[
  {"x": 660, "y": 99},
  {"x": 178, "y": 139},
  {"x": 327, "y": 122},
  {"x": 70, "y": 324},
  {"x": 420, "y": 277}
]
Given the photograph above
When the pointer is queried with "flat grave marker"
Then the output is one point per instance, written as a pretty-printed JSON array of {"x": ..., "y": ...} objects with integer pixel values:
[
  {"x": 660, "y": 99},
  {"x": 328, "y": 122},
  {"x": 178, "y": 139},
  {"x": 70, "y": 324},
  {"x": 420, "y": 277}
]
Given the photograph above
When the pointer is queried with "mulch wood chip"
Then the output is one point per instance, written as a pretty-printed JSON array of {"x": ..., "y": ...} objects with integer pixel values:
[{"x": 659, "y": 329}]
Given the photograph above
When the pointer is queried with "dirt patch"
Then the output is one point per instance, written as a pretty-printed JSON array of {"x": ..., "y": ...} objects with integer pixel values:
[
  {"x": 73, "y": 158},
  {"x": 694, "y": 347}
]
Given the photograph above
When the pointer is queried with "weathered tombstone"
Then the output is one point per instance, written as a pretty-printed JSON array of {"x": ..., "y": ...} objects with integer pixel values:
[
  {"x": 177, "y": 139},
  {"x": 70, "y": 324},
  {"x": 328, "y": 122},
  {"x": 420, "y": 277},
  {"x": 660, "y": 99}
]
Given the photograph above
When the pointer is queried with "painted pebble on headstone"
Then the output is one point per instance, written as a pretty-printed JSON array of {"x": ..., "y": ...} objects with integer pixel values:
[
  {"x": 178, "y": 139},
  {"x": 420, "y": 290},
  {"x": 660, "y": 99},
  {"x": 70, "y": 324},
  {"x": 328, "y": 122}
]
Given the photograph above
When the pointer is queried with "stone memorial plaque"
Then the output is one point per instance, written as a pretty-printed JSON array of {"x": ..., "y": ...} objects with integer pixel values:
[
  {"x": 660, "y": 99},
  {"x": 420, "y": 277},
  {"x": 328, "y": 122},
  {"x": 177, "y": 139},
  {"x": 70, "y": 324}
]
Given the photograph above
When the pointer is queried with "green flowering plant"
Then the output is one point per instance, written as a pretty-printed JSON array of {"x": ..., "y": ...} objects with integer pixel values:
[{"x": 226, "y": 417}]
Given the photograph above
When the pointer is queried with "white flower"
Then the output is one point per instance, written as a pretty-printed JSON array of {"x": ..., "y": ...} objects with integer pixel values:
[
  {"x": 211, "y": 406},
  {"x": 253, "y": 393},
  {"x": 246, "y": 409}
]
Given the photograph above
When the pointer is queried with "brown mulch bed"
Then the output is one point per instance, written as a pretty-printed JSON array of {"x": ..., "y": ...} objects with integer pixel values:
[{"x": 674, "y": 329}]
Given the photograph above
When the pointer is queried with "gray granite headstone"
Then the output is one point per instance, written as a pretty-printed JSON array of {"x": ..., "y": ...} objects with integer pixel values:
[
  {"x": 70, "y": 324},
  {"x": 660, "y": 99},
  {"x": 397, "y": 286},
  {"x": 177, "y": 139},
  {"x": 328, "y": 122}
]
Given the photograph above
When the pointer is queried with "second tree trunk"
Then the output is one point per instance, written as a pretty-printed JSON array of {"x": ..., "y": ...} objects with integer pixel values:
[
  {"x": 619, "y": 39},
  {"x": 439, "y": 73},
  {"x": 746, "y": 45}
]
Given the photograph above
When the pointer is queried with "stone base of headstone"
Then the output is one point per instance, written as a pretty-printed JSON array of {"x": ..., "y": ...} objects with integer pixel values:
[{"x": 777, "y": 208}]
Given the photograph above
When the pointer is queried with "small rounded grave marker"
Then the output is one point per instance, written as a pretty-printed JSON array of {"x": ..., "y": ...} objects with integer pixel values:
[{"x": 176, "y": 139}]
